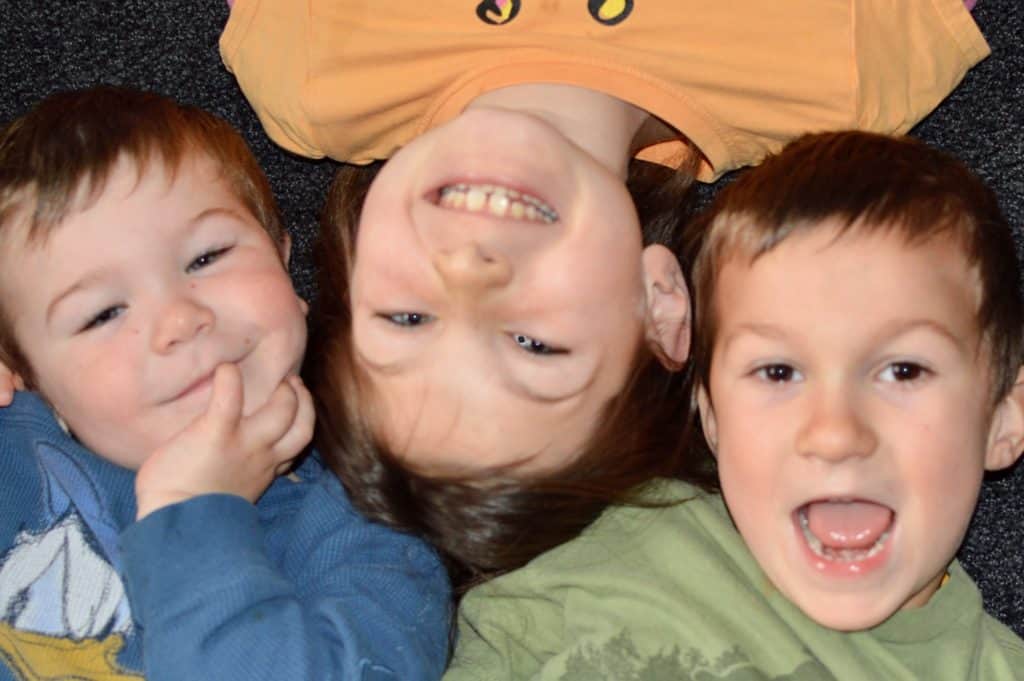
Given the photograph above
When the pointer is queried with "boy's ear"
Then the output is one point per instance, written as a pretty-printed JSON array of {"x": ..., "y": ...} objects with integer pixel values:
[
  {"x": 286, "y": 254},
  {"x": 11, "y": 378},
  {"x": 1006, "y": 435},
  {"x": 286, "y": 248},
  {"x": 707, "y": 419},
  {"x": 667, "y": 318}
]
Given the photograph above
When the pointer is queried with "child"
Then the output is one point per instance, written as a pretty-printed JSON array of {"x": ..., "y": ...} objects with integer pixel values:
[
  {"x": 859, "y": 358},
  {"x": 493, "y": 346},
  {"x": 145, "y": 296}
]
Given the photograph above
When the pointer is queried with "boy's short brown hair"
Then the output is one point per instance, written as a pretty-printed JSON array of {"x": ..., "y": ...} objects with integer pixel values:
[
  {"x": 864, "y": 182},
  {"x": 56, "y": 158}
]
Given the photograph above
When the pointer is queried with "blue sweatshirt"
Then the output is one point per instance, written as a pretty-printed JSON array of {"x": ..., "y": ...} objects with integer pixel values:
[{"x": 298, "y": 586}]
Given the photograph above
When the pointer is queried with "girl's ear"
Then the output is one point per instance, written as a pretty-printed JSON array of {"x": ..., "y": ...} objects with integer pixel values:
[
  {"x": 1006, "y": 435},
  {"x": 667, "y": 318},
  {"x": 707, "y": 419}
]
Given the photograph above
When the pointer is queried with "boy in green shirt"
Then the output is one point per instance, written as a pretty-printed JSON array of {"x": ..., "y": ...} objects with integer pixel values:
[{"x": 858, "y": 359}]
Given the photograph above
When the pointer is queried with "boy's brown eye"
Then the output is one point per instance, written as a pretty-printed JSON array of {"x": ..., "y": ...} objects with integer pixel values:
[
  {"x": 906, "y": 371},
  {"x": 777, "y": 373},
  {"x": 207, "y": 259},
  {"x": 107, "y": 315}
]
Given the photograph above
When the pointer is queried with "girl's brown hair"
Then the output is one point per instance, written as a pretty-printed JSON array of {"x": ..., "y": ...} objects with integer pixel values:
[{"x": 485, "y": 527}]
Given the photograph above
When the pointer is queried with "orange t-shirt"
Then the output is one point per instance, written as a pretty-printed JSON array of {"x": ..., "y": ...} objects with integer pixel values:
[{"x": 357, "y": 79}]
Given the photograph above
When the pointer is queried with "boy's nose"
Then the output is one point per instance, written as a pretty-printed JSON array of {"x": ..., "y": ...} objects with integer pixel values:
[
  {"x": 470, "y": 269},
  {"x": 180, "y": 321},
  {"x": 835, "y": 430}
]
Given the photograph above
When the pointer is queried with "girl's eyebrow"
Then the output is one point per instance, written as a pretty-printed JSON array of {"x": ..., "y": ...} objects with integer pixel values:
[
  {"x": 515, "y": 385},
  {"x": 386, "y": 368},
  {"x": 510, "y": 378},
  {"x": 520, "y": 388}
]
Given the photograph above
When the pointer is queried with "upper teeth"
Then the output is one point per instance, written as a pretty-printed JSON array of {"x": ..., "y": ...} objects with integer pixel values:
[{"x": 498, "y": 201}]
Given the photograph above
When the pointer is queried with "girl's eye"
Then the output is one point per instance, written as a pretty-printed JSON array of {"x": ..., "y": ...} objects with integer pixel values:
[
  {"x": 903, "y": 372},
  {"x": 407, "y": 318},
  {"x": 536, "y": 347},
  {"x": 107, "y": 315},
  {"x": 777, "y": 373},
  {"x": 207, "y": 259}
]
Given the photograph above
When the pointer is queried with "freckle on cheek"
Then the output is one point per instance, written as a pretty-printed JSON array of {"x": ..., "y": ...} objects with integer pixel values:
[{"x": 248, "y": 341}]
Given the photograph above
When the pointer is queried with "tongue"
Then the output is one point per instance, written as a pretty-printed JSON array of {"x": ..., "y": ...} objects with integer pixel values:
[{"x": 847, "y": 524}]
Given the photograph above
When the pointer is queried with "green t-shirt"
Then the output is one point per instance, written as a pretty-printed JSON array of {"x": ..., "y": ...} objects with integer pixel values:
[{"x": 672, "y": 594}]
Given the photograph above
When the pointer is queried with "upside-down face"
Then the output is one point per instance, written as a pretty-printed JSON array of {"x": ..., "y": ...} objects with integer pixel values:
[{"x": 498, "y": 294}]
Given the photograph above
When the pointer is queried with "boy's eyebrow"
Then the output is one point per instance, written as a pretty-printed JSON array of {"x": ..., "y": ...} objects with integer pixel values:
[
  {"x": 213, "y": 212},
  {"x": 763, "y": 329},
  {"x": 900, "y": 327},
  {"x": 85, "y": 281},
  {"x": 895, "y": 328},
  {"x": 77, "y": 286}
]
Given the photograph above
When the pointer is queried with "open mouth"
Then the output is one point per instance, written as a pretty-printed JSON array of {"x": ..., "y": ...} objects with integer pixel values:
[
  {"x": 845, "y": 530},
  {"x": 502, "y": 202}
]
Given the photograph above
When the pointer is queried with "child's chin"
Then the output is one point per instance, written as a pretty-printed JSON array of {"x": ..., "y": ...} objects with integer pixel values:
[{"x": 846, "y": 612}]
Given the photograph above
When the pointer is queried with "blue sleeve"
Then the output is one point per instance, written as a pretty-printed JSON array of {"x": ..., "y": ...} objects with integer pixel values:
[{"x": 343, "y": 598}]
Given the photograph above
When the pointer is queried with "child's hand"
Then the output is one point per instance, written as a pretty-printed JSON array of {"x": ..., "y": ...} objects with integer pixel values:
[
  {"x": 9, "y": 382},
  {"x": 224, "y": 452}
]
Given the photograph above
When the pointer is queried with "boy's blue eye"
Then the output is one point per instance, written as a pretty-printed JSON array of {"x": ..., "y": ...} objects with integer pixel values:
[
  {"x": 406, "y": 318},
  {"x": 207, "y": 259},
  {"x": 534, "y": 346},
  {"x": 777, "y": 373},
  {"x": 107, "y": 315}
]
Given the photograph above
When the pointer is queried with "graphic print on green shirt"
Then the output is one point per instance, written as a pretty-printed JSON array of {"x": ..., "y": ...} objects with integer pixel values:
[{"x": 619, "y": 660}]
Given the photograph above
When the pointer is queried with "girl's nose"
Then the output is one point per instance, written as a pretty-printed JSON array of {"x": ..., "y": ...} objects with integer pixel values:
[{"x": 470, "y": 269}]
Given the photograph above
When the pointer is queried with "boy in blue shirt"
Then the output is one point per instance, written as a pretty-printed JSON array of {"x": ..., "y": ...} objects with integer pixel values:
[{"x": 144, "y": 295}]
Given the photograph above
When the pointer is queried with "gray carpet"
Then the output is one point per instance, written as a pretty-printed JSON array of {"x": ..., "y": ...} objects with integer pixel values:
[{"x": 171, "y": 46}]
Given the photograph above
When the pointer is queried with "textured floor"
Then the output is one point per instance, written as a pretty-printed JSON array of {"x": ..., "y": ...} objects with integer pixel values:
[{"x": 171, "y": 46}]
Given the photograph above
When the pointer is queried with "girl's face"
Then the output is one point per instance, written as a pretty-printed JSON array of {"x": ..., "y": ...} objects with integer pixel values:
[{"x": 497, "y": 294}]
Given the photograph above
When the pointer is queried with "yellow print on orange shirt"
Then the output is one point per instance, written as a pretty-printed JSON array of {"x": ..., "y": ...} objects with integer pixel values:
[{"x": 607, "y": 12}]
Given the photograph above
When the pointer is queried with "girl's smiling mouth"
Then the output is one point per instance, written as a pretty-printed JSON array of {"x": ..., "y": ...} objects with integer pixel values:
[{"x": 496, "y": 200}]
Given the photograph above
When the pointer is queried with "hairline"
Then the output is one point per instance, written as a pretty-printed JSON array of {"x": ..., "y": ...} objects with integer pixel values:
[{"x": 727, "y": 245}]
